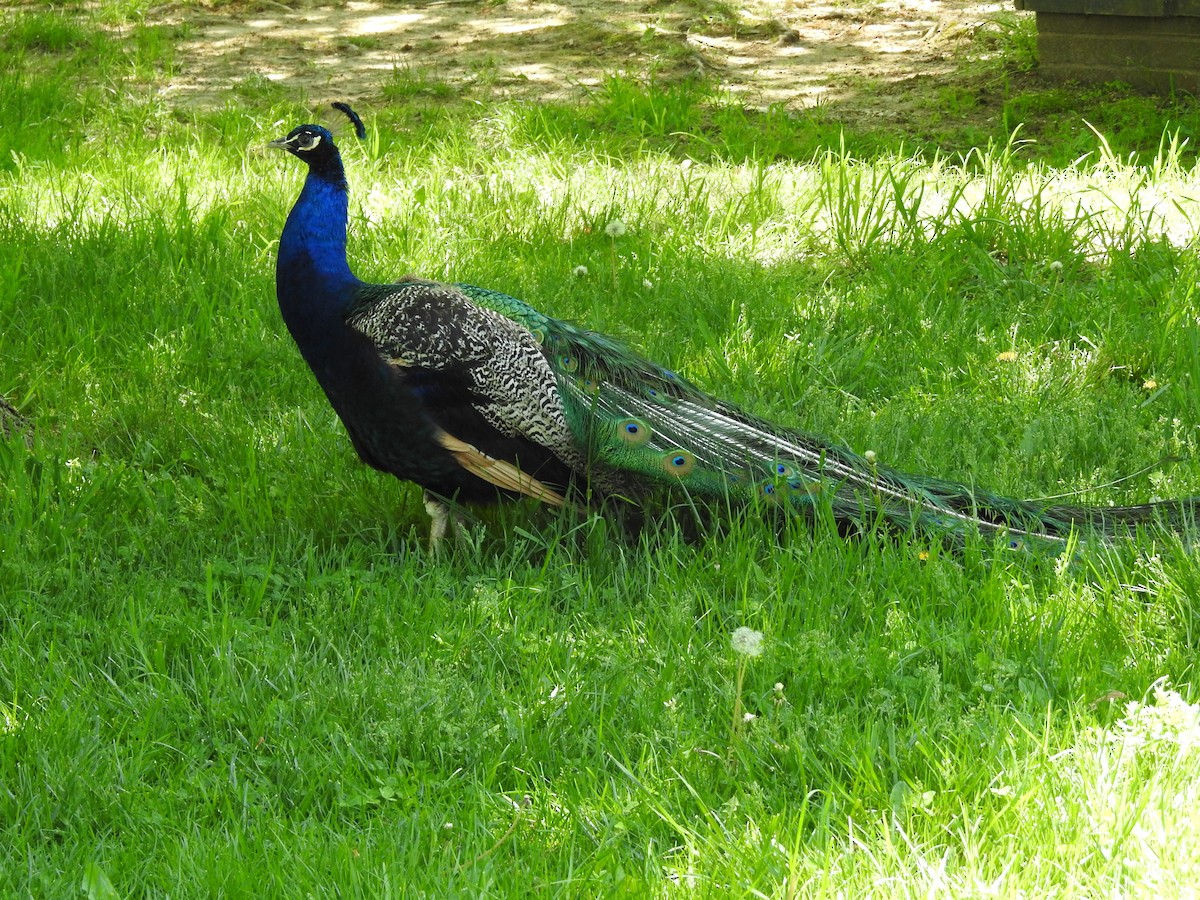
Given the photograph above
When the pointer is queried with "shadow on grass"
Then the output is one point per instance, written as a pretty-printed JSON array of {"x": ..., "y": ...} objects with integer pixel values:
[{"x": 652, "y": 91}]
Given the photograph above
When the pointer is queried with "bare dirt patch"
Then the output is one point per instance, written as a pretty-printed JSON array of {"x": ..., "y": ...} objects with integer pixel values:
[{"x": 772, "y": 51}]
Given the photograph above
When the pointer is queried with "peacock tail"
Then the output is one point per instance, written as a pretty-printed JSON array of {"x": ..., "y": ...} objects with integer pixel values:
[
  {"x": 477, "y": 396},
  {"x": 664, "y": 433},
  {"x": 11, "y": 421}
]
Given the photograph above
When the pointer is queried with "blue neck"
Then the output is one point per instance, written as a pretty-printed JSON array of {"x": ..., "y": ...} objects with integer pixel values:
[{"x": 313, "y": 280}]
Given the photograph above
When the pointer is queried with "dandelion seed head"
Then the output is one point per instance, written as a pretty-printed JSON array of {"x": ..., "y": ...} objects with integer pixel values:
[
  {"x": 747, "y": 641},
  {"x": 580, "y": 271},
  {"x": 1056, "y": 266},
  {"x": 869, "y": 456},
  {"x": 615, "y": 229}
]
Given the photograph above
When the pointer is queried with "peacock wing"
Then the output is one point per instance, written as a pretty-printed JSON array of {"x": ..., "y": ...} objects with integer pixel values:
[
  {"x": 474, "y": 368},
  {"x": 643, "y": 420}
]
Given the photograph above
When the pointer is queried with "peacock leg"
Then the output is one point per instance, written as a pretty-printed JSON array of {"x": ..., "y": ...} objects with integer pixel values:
[{"x": 442, "y": 520}]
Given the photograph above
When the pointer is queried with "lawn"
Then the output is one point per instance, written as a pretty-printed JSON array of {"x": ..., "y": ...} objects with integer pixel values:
[{"x": 229, "y": 665}]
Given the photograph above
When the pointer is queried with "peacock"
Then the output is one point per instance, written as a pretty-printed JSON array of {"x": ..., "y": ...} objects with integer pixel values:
[{"x": 477, "y": 397}]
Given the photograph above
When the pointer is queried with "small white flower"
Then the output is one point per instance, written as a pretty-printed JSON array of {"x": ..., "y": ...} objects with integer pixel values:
[
  {"x": 580, "y": 271},
  {"x": 749, "y": 717},
  {"x": 648, "y": 284},
  {"x": 747, "y": 641},
  {"x": 779, "y": 687},
  {"x": 615, "y": 228},
  {"x": 1056, "y": 266},
  {"x": 869, "y": 456}
]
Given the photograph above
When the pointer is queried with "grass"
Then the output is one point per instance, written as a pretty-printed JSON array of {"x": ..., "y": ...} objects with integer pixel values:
[{"x": 228, "y": 666}]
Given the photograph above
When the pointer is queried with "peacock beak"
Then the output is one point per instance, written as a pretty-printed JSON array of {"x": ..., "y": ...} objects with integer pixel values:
[{"x": 283, "y": 143}]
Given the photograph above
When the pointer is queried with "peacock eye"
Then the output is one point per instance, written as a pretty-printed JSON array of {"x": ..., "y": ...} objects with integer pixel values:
[
  {"x": 679, "y": 463},
  {"x": 308, "y": 142},
  {"x": 634, "y": 431}
]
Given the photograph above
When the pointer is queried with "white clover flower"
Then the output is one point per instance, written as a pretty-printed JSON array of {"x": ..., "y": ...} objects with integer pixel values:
[
  {"x": 1056, "y": 266},
  {"x": 615, "y": 229},
  {"x": 648, "y": 284},
  {"x": 779, "y": 687},
  {"x": 747, "y": 641},
  {"x": 580, "y": 271},
  {"x": 869, "y": 456}
]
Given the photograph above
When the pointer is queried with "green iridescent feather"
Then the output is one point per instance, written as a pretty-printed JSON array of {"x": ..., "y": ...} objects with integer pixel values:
[{"x": 660, "y": 432}]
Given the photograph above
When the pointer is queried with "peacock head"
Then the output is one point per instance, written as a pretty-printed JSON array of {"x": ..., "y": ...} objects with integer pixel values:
[
  {"x": 314, "y": 143},
  {"x": 311, "y": 143}
]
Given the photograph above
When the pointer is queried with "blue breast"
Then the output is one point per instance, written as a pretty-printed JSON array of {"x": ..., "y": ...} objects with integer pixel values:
[{"x": 313, "y": 280}]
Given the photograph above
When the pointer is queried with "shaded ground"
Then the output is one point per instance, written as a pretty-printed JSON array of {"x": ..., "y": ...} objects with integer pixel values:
[{"x": 794, "y": 52}]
